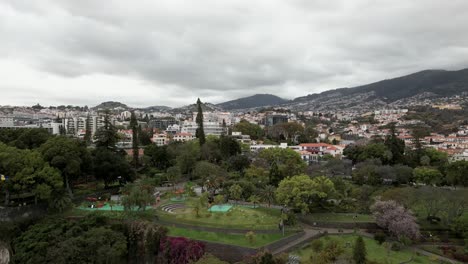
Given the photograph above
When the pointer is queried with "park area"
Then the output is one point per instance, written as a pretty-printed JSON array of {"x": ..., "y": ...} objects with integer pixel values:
[
  {"x": 342, "y": 245},
  {"x": 246, "y": 221},
  {"x": 229, "y": 216}
]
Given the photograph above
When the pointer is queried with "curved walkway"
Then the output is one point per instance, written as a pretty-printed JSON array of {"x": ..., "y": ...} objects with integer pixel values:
[{"x": 314, "y": 233}]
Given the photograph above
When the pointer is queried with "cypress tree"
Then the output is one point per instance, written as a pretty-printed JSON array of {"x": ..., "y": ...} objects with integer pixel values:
[
  {"x": 359, "y": 251},
  {"x": 224, "y": 127},
  {"x": 134, "y": 127},
  {"x": 107, "y": 135},
  {"x": 87, "y": 136},
  {"x": 395, "y": 145},
  {"x": 200, "y": 132}
]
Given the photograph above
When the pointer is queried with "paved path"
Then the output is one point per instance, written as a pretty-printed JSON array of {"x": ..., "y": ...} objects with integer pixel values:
[
  {"x": 308, "y": 234},
  {"x": 430, "y": 254},
  {"x": 312, "y": 233}
]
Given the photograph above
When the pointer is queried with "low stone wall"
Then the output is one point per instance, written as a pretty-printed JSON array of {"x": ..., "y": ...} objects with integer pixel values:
[
  {"x": 337, "y": 225},
  {"x": 214, "y": 229},
  {"x": 8, "y": 214},
  {"x": 232, "y": 253}
]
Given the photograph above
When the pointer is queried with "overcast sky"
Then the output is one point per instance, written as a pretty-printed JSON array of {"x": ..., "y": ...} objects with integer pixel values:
[{"x": 155, "y": 52}]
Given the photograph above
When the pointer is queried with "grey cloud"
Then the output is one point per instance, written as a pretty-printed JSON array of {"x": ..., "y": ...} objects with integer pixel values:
[{"x": 223, "y": 50}]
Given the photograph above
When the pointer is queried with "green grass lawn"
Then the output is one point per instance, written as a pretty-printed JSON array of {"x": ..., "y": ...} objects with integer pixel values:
[
  {"x": 340, "y": 217},
  {"x": 375, "y": 251},
  {"x": 232, "y": 239},
  {"x": 237, "y": 218}
]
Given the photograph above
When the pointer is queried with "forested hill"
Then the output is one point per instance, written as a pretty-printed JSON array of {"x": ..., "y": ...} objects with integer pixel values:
[
  {"x": 253, "y": 101},
  {"x": 438, "y": 82}
]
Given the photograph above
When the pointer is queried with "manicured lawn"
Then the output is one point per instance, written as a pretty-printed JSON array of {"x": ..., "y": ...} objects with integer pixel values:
[
  {"x": 232, "y": 239},
  {"x": 375, "y": 251},
  {"x": 237, "y": 218},
  {"x": 340, "y": 217}
]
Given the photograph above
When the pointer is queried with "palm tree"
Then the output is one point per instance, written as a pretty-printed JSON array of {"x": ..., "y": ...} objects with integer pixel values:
[
  {"x": 268, "y": 194},
  {"x": 254, "y": 199},
  {"x": 111, "y": 203}
]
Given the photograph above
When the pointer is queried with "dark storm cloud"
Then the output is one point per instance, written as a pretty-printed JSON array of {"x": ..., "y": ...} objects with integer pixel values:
[{"x": 170, "y": 52}]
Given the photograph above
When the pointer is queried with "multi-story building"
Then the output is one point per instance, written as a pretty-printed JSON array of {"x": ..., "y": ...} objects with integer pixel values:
[
  {"x": 271, "y": 120},
  {"x": 183, "y": 137},
  {"x": 160, "y": 139},
  {"x": 241, "y": 138},
  {"x": 210, "y": 128},
  {"x": 6, "y": 121},
  {"x": 162, "y": 123},
  {"x": 77, "y": 125}
]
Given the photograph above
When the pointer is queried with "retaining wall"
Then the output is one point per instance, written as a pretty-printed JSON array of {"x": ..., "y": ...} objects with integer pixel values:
[{"x": 8, "y": 214}]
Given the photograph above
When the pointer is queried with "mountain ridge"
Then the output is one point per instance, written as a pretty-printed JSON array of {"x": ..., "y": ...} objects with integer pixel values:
[{"x": 254, "y": 101}]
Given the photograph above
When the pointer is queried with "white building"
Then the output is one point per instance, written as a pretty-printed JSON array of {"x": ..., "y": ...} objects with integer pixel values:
[
  {"x": 160, "y": 139},
  {"x": 263, "y": 146},
  {"x": 210, "y": 128},
  {"x": 6, "y": 121},
  {"x": 183, "y": 137}
]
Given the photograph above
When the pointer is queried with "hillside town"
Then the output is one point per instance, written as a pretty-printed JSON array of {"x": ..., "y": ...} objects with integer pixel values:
[{"x": 333, "y": 130}]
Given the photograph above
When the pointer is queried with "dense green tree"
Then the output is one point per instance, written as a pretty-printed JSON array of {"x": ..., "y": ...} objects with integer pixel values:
[
  {"x": 358, "y": 153},
  {"x": 27, "y": 172},
  {"x": 31, "y": 138},
  {"x": 246, "y": 128},
  {"x": 395, "y": 145},
  {"x": 437, "y": 158},
  {"x": 308, "y": 136},
  {"x": 137, "y": 196},
  {"x": 368, "y": 172},
  {"x": 200, "y": 132},
  {"x": 157, "y": 156},
  {"x": 109, "y": 166},
  {"x": 289, "y": 162},
  {"x": 238, "y": 163},
  {"x": 427, "y": 175},
  {"x": 144, "y": 137},
  {"x": 229, "y": 147},
  {"x": 210, "y": 175},
  {"x": 256, "y": 174},
  {"x": 235, "y": 192},
  {"x": 359, "y": 251},
  {"x": 289, "y": 131},
  {"x": 456, "y": 173},
  {"x": 404, "y": 174},
  {"x": 68, "y": 155},
  {"x": 60, "y": 241},
  {"x": 210, "y": 151},
  {"x": 173, "y": 175},
  {"x": 274, "y": 175},
  {"x": 299, "y": 192},
  {"x": 186, "y": 156}
]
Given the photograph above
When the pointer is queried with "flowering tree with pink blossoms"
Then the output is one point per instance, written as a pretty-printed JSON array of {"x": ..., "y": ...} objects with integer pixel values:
[
  {"x": 180, "y": 250},
  {"x": 399, "y": 221}
]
